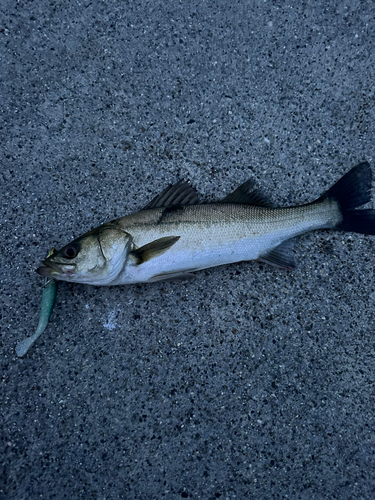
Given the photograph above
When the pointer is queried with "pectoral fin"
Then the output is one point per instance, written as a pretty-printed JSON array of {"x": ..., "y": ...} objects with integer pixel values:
[
  {"x": 154, "y": 249},
  {"x": 282, "y": 256}
]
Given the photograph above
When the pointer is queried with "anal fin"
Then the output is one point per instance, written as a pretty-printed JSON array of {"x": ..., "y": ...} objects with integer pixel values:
[{"x": 281, "y": 256}]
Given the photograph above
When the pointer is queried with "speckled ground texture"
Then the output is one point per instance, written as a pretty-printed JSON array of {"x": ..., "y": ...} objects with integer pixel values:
[{"x": 248, "y": 382}]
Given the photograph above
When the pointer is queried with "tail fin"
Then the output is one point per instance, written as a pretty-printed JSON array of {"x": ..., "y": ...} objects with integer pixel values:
[{"x": 351, "y": 191}]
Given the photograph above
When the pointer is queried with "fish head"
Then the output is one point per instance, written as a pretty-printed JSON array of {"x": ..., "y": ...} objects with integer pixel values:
[{"x": 96, "y": 258}]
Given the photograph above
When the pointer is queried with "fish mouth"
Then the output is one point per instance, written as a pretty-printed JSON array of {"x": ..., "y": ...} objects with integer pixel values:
[{"x": 55, "y": 269}]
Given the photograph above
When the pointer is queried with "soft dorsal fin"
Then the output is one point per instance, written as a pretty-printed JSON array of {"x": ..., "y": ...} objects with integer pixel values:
[
  {"x": 248, "y": 193},
  {"x": 175, "y": 195},
  {"x": 281, "y": 256}
]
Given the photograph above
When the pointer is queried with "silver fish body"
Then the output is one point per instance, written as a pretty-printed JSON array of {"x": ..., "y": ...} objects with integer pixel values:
[
  {"x": 175, "y": 235},
  {"x": 216, "y": 234}
]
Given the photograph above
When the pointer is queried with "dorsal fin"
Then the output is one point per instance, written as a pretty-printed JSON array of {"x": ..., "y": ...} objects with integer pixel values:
[
  {"x": 175, "y": 195},
  {"x": 248, "y": 193}
]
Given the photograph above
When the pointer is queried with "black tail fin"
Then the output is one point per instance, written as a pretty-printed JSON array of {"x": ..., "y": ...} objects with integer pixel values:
[{"x": 351, "y": 191}]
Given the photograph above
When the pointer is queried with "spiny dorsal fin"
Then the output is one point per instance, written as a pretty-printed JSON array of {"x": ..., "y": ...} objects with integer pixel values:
[
  {"x": 248, "y": 193},
  {"x": 154, "y": 249},
  {"x": 174, "y": 195},
  {"x": 280, "y": 256}
]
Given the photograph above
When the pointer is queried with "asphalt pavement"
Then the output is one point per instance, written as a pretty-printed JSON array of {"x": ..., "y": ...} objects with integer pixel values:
[{"x": 248, "y": 382}]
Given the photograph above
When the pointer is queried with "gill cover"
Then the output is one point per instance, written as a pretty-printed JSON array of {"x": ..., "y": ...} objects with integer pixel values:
[{"x": 95, "y": 258}]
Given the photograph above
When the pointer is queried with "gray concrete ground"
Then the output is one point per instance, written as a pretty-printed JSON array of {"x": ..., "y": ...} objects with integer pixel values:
[{"x": 247, "y": 382}]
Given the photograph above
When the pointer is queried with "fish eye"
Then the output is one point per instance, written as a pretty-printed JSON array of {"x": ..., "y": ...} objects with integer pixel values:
[{"x": 70, "y": 252}]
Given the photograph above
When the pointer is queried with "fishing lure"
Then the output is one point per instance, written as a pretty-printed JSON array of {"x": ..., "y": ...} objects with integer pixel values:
[{"x": 48, "y": 301}]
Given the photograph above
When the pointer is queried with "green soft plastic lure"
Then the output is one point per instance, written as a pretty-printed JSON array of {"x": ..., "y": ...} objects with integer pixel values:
[{"x": 48, "y": 301}]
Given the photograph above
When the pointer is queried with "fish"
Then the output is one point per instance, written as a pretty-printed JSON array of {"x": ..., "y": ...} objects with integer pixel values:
[{"x": 176, "y": 234}]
